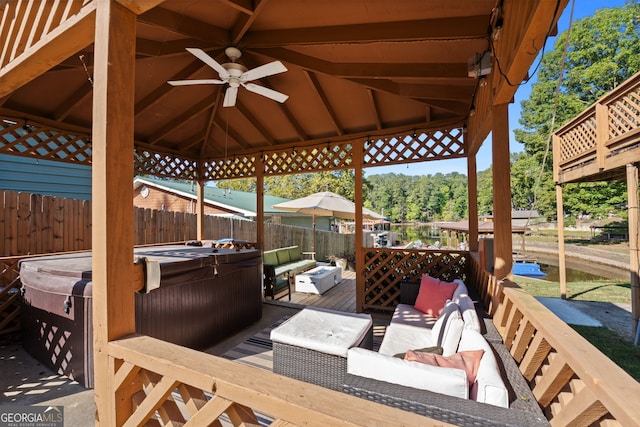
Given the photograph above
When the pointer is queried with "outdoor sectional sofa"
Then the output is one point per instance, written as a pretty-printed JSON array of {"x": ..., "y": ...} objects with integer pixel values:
[
  {"x": 280, "y": 267},
  {"x": 443, "y": 392}
]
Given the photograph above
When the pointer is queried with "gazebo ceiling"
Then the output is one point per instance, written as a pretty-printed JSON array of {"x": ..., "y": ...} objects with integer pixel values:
[{"x": 355, "y": 68}]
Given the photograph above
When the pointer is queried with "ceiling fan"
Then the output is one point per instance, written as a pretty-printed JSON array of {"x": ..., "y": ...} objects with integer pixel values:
[{"x": 236, "y": 75}]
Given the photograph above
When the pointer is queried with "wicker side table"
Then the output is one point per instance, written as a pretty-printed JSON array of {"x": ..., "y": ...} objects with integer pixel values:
[{"x": 312, "y": 345}]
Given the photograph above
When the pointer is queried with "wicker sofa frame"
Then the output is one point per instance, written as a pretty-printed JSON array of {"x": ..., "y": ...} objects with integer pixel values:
[
  {"x": 326, "y": 370},
  {"x": 523, "y": 409}
]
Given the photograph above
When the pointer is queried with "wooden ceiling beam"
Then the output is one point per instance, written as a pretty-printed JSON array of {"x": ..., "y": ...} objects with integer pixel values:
[
  {"x": 368, "y": 70},
  {"x": 164, "y": 89},
  {"x": 185, "y": 26},
  {"x": 73, "y": 101},
  {"x": 256, "y": 124},
  {"x": 448, "y": 92},
  {"x": 152, "y": 48},
  {"x": 243, "y": 6},
  {"x": 374, "y": 108},
  {"x": 325, "y": 101},
  {"x": 181, "y": 119},
  {"x": 230, "y": 132},
  {"x": 243, "y": 24},
  {"x": 521, "y": 40},
  {"x": 302, "y": 135},
  {"x": 466, "y": 27},
  {"x": 458, "y": 107}
]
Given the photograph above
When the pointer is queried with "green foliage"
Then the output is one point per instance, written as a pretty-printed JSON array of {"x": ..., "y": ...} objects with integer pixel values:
[
  {"x": 405, "y": 198},
  {"x": 603, "y": 51},
  {"x": 295, "y": 186}
]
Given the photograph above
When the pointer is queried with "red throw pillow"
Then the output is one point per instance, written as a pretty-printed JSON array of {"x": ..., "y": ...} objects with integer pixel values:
[
  {"x": 468, "y": 361},
  {"x": 433, "y": 294}
]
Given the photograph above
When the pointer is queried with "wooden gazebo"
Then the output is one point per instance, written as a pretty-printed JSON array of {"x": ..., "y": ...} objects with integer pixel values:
[{"x": 370, "y": 83}]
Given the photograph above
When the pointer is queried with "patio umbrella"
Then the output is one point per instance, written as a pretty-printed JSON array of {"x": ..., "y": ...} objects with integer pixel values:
[{"x": 325, "y": 203}]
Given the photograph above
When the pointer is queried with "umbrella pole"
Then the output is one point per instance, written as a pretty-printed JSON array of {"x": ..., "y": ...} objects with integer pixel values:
[{"x": 313, "y": 245}]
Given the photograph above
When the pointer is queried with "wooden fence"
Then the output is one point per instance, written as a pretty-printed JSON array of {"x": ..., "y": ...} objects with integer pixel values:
[{"x": 34, "y": 224}]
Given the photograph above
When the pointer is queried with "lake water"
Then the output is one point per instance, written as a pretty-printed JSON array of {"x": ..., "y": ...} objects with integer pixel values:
[
  {"x": 429, "y": 235},
  {"x": 553, "y": 274}
]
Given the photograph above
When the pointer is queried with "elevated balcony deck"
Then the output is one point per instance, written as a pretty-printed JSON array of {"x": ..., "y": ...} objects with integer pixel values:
[{"x": 597, "y": 144}]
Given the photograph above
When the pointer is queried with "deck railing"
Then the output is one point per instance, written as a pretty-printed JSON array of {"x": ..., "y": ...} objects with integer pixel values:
[
  {"x": 599, "y": 139},
  {"x": 574, "y": 383}
]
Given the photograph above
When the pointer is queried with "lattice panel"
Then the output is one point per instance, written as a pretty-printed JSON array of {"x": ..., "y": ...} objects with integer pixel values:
[
  {"x": 158, "y": 400},
  {"x": 385, "y": 269},
  {"x": 236, "y": 167},
  {"x": 309, "y": 159},
  {"x": 624, "y": 114},
  {"x": 579, "y": 140},
  {"x": 27, "y": 138},
  {"x": 9, "y": 296},
  {"x": 163, "y": 165},
  {"x": 416, "y": 147}
]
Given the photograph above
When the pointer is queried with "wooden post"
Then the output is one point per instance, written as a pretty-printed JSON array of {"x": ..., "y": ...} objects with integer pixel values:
[
  {"x": 260, "y": 204},
  {"x": 200, "y": 210},
  {"x": 357, "y": 160},
  {"x": 112, "y": 213},
  {"x": 472, "y": 196},
  {"x": 562, "y": 265},
  {"x": 634, "y": 244},
  {"x": 502, "y": 238}
]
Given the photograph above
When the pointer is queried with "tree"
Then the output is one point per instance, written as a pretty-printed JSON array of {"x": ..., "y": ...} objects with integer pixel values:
[{"x": 603, "y": 51}]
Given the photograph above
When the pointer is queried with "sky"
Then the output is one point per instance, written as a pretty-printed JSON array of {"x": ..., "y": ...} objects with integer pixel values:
[{"x": 582, "y": 8}]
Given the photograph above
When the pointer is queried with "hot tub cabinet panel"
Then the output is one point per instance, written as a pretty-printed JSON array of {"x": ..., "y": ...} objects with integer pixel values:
[{"x": 202, "y": 297}]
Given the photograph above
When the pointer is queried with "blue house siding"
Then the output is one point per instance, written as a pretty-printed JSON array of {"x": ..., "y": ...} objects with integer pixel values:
[{"x": 45, "y": 177}]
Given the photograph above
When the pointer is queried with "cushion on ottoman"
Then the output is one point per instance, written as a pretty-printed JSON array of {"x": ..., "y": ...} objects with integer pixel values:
[{"x": 323, "y": 330}]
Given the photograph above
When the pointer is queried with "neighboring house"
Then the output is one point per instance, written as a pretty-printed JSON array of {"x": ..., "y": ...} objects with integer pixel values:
[
  {"x": 520, "y": 218},
  {"x": 45, "y": 177},
  {"x": 181, "y": 197}
]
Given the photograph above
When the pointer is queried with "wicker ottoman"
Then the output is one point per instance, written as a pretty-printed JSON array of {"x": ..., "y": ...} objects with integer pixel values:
[{"x": 312, "y": 345}]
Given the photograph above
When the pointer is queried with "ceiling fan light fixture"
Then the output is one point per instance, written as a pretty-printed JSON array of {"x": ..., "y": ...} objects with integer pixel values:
[{"x": 236, "y": 75}]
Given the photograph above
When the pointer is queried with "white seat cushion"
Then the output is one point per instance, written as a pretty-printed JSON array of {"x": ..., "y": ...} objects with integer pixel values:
[
  {"x": 409, "y": 315},
  {"x": 326, "y": 331},
  {"x": 369, "y": 364},
  {"x": 398, "y": 338}
]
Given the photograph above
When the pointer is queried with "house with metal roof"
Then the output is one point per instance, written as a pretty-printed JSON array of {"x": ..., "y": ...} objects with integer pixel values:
[{"x": 180, "y": 196}]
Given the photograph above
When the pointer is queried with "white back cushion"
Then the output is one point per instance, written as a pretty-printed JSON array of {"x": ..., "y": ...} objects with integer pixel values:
[
  {"x": 489, "y": 386},
  {"x": 448, "y": 328}
]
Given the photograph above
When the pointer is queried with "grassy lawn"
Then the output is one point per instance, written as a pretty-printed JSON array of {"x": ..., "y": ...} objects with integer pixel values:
[
  {"x": 621, "y": 351},
  {"x": 598, "y": 290}
]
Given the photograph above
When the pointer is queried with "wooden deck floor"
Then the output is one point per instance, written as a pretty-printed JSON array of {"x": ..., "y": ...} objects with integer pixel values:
[{"x": 341, "y": 297}]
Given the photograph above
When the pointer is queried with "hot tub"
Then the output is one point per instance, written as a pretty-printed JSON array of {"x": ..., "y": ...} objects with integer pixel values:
[{"x": 204, "y": 295}]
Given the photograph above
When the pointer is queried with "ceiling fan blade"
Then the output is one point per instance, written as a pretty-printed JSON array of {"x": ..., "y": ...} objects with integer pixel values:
[
  {"x": 202, "y": 55},
  {"x": 230, "y": 97},
  {"x": 275, "y": 67},
  {"x": 265, "y": 91},
  {"x": 195, "y": 82}
]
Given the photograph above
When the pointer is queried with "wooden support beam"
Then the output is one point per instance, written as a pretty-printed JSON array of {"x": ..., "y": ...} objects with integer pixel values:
[
  {"x": 260, "y": 202},
  {"x": 634, "y": 243},
  {"x": 502, "y": 238},
  {"x": 358, "y": 162},
  {"x": 200, "y": 209},
  {"x": 112, "y": 213},
  {"x": 562, "y": 262},
  {"x": 472, "y": 189}
]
